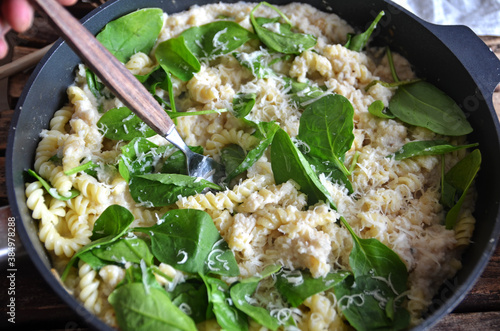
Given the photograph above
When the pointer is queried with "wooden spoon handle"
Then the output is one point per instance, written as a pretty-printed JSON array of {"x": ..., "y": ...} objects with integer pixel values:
[{"x": 111, "y": 71}]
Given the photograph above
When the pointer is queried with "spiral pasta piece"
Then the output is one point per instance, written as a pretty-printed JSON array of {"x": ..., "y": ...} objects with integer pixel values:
[
  {"x": 226, "y": 137},
  {"x": 88, "y": 288},
  {"x": 95, "y": 191},
  {"x": 61, "y": 119}
]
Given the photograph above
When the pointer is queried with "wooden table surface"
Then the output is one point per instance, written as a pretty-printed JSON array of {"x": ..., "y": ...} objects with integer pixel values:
[{"x": 38, "y": 308}]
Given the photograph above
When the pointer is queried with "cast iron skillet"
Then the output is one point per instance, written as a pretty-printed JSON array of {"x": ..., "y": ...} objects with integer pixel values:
[{"x": 452, "y": 58}]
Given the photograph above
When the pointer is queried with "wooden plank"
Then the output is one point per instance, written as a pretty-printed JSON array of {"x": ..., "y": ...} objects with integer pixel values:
[
  {"x": 485, "y": 295},
  {"x": 3, "y": 186},
  {"x": 5, "y": 119},
  {"x": 467, "y": 322}
]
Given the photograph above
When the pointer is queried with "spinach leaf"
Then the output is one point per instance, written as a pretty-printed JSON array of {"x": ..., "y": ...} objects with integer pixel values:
[
  {"x": 95, "y": 86},
  {"x": 164, "y": 189},
  {"x": 371, "y": 299},
  {"x": 285, "y": 41},
  {"x": 330, "y": 170},
  {"x": 192, "y": 298},
  {"x": 298, "y": 285},
  {"x": 426, "y": 147},
  {"x": 232, "y": 156},
  {"x": 266, "y": 272},
  {"x": 175, "y": 57},
  {"x": 111, "y": 225},
  {"x": 457, "y": 182},
  {"x": 176, "y": 162},
  {"x": 288, "y": 163},
  {"x": 132, "y": 33},
  {"x": 216, "y": 38},
  {"x": 303, "y": 94},
  {"x": 141, "y": 273},
  {"x": 266, "y": 132},
  {"x": 241, "y": 294},
  {"x": 113, "y": 222},
  {"x": 188, "y": 240},
  {"x": 125, "y": 250},
  {"x": 51, "y": 190},
  {"x": 369, "y": 257},
  {"x": 122, "y": 124},
  {"x": 243, "y": 104},
  {"x": 156, "y": 78},
  {"x": 254, "y": 62},
  {"x": 377, "y": 108},
  {"x": 227, "y": 315},
  {"x": 93, "y": 261},
  {"x": 139, "y": 309},
  {"x": 369, "y": 304},
  {"x": 221, "y": 260},
  {"x": 139, "y": 156},
  {"x": 326, "y": 126},
  {"x": 422, "y": 104},
  {"x": 358, "y": 42},
  {"x": 84, "y": 167}
]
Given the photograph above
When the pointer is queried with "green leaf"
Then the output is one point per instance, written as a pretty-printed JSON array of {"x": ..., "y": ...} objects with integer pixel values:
[
  {"x": 243, "y": 104},
  {"x": 221, "y": 260},
  {"x": 369, "y": 303},
  {"x": 122, "y": 124},
  {"x": 93, "y": 261},
  {"x": 93, "y": 83},
  {"x": 303, "y": 94},
  {"x": 53, "y": 191},
  {"x": 137, "y": 309},
  {"x": 240, "y": 294},
  {"x": 298, "y": 285},
  {"x": 175, "y": 57},
  {"x": 285, "y": 41},
  {"x": 255, "y": 63},
  {"x": 422, "y": 104},
  {"x": 132, "y": 33},
  {"x": 183, "y": 239},
  {"x": 140, "y": 273},
  {"x": 164, "y": 189},
  {"x": 326, "y": 127},
  {"x": 216, "y": 38},
  {"x": 288, "y": 163},
  {"x": 369, "y": 257},
  {"x": 232, "y": 156},
  {"x": 377, "y": 108},
  {"x": 371, "y": 299},
  {"x": 139, "y": 156},
  {"x": 86, "y": 166},
  {"x": 227, "y": 315},
  {"x": 457, "y": 182},
  {"x": 192, "y": 298},
  {"x": 359, "y": 41},
  {"x": 113, "y": 222},
  {"x": 125, "y": 250},
  {"x": 111, "y": 225},
  {"x": 427, "y": 147},
  {"x": 330, "y": 170},
  {"x": 176, "y": 162},
  {"x": 266, "y": 132}
]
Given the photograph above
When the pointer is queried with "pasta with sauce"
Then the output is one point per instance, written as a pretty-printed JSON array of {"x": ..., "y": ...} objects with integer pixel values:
[{"x": 263, "y": 222}]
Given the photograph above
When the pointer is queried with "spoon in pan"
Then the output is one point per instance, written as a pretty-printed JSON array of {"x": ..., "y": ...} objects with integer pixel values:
[{"x": 125, "y": 86}]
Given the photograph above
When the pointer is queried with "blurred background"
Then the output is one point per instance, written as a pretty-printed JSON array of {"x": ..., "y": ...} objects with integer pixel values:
[{"x": 482, "y": 16}]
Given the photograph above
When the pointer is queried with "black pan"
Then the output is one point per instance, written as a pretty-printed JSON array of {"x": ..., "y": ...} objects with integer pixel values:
[{"x": 452, "y": 58}]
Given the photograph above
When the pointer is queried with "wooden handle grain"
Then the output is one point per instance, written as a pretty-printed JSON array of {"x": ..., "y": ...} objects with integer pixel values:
[{"x": 111, "y": 71}]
